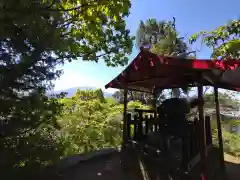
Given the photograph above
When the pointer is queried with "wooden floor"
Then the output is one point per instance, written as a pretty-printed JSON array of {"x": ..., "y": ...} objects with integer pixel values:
[{"x": 232, "y": 169}]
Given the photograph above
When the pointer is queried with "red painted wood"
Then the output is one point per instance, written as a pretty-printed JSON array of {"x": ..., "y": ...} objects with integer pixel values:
[{"x": 168, "y": 72}]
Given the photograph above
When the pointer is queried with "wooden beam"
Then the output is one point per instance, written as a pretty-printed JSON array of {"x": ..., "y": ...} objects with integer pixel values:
[
  {"x": 219, "y": 128},
  {"x": 159, "y": 78},
  {"x": 202, "y": 127},
  {"x": 133, "y": 89}
]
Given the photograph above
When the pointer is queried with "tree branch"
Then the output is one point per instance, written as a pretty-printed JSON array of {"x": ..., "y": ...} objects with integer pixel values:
[
  {"x": 61, "y": 9},
  {"x": 51, "y": 5},
  {"x": 88, "y": 4}
]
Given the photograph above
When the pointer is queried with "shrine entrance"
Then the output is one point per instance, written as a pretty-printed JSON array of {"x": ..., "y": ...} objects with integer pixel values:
[{"x": 147, "y": 133}]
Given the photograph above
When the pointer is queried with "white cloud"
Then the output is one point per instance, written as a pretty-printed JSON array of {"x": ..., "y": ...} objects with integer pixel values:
[
  {"x": 110, "y": 90},
  {"x": 74, "y": 79}
]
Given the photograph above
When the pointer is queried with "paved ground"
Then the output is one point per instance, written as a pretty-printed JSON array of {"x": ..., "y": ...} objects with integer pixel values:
[
  {"x": 101, "y": 168},
  {"x": 109, "y": 167},
  {"x": 232, "y": 167}
]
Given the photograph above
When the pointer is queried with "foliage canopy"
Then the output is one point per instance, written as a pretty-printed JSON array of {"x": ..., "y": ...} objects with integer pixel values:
[
  {"x": 162, "y": 37},
  {"x": 224, "y": 40},
  {"x": 36, "y": 37}
]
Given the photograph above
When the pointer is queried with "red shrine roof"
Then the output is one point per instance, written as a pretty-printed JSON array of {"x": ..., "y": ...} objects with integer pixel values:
[{"x": 148, "y": 71}]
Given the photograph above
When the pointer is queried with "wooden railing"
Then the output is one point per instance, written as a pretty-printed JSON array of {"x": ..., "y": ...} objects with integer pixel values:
[
  {"x": 191, "y": 153},
  {"x": 141, "y": 124},
  {"x": 147, "y": 121}
]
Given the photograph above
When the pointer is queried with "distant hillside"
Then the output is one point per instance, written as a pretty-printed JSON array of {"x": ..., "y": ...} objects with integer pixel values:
[{"x": 71, "y": 91}]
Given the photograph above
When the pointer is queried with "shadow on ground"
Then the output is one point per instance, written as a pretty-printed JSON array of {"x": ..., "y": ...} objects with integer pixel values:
[
  {"x": 128, "y": 166},
  {"x": 99, "y": 168},
  {"x": 232, "y": 171},
  {"x": 125, "y": 165}
]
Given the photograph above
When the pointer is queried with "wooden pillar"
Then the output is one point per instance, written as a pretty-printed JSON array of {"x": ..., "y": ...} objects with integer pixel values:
[
  {"x": 208, "y": 130},
  {"x": 128, "y": 124},
  {"x": 156, "y": 117},
  {"x": 140, "y": 125},
  {"x": 125, "y": 133},
  {"x": 154, "y": 102},
  {"x": 220, "y": 141},
  {"x": 154, "y": 105},
  {"x": 202, "y": 127}
]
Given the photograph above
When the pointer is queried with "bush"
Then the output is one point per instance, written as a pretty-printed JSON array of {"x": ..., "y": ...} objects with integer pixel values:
[
  {"x": 91, "y": 124},
  {"x": 231, "y": 142}
]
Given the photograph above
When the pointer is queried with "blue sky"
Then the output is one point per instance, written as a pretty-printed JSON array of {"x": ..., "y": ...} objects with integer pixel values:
[{"x": 191, "y": 16}]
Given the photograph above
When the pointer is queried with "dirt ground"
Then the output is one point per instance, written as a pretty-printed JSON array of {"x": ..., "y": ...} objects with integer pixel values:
[{"x": 231, "y": 159}]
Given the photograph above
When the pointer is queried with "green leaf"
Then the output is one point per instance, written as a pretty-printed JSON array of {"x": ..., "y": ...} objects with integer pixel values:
[{"x": 224, "y": 40}]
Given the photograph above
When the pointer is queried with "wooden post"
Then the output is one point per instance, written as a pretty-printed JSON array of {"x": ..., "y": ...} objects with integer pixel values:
[
  {"x": 125, "y": 115},
  {"x": 135, "y": 130},
  {"x": 208, "y": 130},
  {"x": 202, "y": 127},
  {"x": 154, "y": 103},
  {"x": 140, "y": 126},
  {"x": 155, "y": 116},
  {"x": 128, "y": 127},
  {"x": 220, "y": 141},
  {"x": 124, "y": 150},
  {"x": 146, "y": 124}
]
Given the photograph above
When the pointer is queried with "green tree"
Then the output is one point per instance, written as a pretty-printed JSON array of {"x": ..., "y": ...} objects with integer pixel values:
[
  {"x": 163, "y": 39},
  {"x": 225, "y": 101},
  {"x": 86, "y": 29},
  {"x": 94, "y": 124},
  {"x": 136, "y": 105},
  {"x": 144, "y": 98},
  {"x": 35, "y": 37},
  {"x": 231, "y": 143},
  {"x": 88, "y": 95},
  {"x": 224, "y": 40}
]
